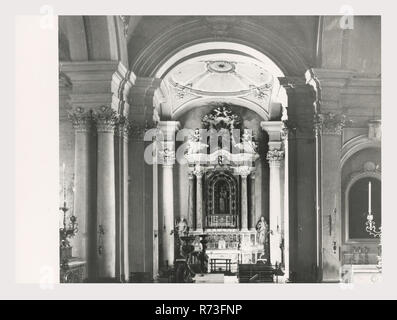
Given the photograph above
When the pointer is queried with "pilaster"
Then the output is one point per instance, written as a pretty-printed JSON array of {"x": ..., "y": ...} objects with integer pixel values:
[{"x": 303, "y": 234}]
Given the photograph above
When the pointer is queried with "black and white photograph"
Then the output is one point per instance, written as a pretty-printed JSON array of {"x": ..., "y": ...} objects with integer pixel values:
[
  {"x": 199, "y": 159},
  {"x": 220, "y": 149}
]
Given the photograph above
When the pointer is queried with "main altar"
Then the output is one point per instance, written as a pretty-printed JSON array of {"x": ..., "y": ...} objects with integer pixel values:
[{"x": 221, "y": 160}]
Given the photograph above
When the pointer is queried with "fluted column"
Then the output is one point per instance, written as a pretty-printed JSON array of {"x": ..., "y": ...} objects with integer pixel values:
[
  {"x": 275, "y": 157},
  {"x": 106, "y": 199},
  {"x": 126, "y": 207},
  {"x": 123, "y": 130},
  {"x": 199, "y": 198},
  {"x": 244, "y": 202},
  {"x": 168, "y": 129},
  {"x": 83, "y": 184},
  {"x": 168, "y": 213},
  {"x": 190, "y": 215},
  {"x": 251, "y": 220}
]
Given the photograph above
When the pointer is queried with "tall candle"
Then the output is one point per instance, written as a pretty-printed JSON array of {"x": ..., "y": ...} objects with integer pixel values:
[{"x": 369, "y": 197}]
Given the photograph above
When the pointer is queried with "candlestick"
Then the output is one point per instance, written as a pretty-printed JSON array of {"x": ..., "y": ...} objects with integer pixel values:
[{"x": 369, "y": 197}]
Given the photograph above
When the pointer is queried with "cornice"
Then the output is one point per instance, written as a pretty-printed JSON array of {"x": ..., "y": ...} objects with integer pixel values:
[
  {"x": 92, "y": 66},
  {"x": 274, "y": 129}
]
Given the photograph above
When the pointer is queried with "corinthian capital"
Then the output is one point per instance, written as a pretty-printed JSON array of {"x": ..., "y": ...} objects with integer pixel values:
[
  {"x": 106, "y": 119},
  {"x": 198, "y": 171},
  {"x": 124, "y": 127},
  {"x": 81, "y": 119},
  {"x": 275, "y": 156},
  {"x": 243, "y": 171},
  {"x": 330, "y": 123}
]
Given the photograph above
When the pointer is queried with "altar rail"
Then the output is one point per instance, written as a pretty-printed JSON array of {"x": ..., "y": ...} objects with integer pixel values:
[
  {"x": 222, "y": 221},
  {"x": 221, "y": 266}
]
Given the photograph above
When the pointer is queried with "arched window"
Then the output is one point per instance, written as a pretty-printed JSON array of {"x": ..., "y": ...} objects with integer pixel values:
[{"x": 364, "y": 194}]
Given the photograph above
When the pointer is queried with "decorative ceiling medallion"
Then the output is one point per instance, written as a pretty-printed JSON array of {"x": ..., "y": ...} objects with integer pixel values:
[{"x": 220, "y": 66}]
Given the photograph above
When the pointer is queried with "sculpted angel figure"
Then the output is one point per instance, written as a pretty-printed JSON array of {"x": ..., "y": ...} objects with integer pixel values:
[
  {"x": 221, "y": 117},
  {"x": 262, "y": 230},
  {"x": 181, "y": 227},
  {"x": 194, "y": 144},
  {"x": 247, "y": 144}
]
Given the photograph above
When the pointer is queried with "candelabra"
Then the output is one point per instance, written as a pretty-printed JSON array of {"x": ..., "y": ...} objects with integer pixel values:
[
  {"x": 371, "y": 228},
  {"x": 65, "y": 233},
  {"x": 68, "y": 231},
  {"x": 370, "y": 225}
]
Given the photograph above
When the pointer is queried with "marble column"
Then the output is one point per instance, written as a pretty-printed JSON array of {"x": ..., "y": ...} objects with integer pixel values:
[
  {"x": 168, "y": 215},
  {"x": 244, "y": 202},
  {"x": 155, "y": 222},
  {"x": 167, "y": 152},
  {"x": 83, "y": 185},
  {"x": 125, "y": 212},
  {"x": 118, "y": 159},
  {"x": 275, "y": 157},
  {"x": 190, "y": 216},
  {"x": 106, "y": 198},
  {"x": 251, "y": 220},
  {"x": 199, "y": 199}
]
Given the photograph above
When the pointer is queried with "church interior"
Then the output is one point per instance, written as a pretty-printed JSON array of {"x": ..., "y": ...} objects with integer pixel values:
[{"x": 203, "y": 149}]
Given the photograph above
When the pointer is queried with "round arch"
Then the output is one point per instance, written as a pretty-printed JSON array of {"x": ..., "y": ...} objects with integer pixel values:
[
  {"x": 208, "y": 49},
  {"x": 186, "y": 34},
  {"x": 355, "y": 145},
  {"x": 355, "y": 178}
]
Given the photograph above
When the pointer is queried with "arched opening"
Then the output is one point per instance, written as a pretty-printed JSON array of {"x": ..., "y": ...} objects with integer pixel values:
[
  {"x": 220, "y": 72},
  {"x": 364, "y": 198}
]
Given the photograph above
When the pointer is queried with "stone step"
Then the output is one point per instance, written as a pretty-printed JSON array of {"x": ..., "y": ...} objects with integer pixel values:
[{"x": 209, "y": 278}]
